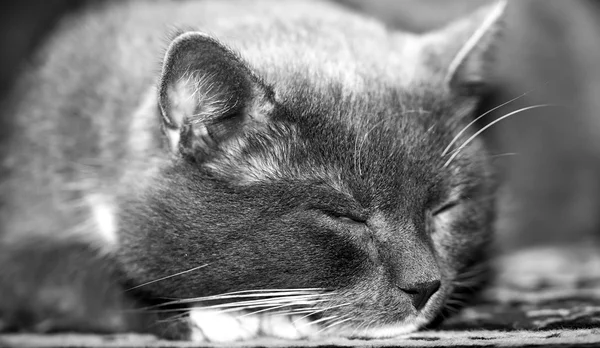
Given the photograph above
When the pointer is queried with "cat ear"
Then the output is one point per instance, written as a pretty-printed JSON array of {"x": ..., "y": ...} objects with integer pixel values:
[
  {"x": 207, "y": 96},
  {"x": 465, "y": 48}
]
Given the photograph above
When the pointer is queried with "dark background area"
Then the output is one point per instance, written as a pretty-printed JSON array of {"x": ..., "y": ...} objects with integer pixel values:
[
  {"x": 23, "y": 25},
  {"x": 549, "y": 160}
]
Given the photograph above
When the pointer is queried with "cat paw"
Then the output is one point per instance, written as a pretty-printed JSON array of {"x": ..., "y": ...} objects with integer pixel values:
[
  {"x": 288, "y": 327},
  {"x": 214, "y": 326}
]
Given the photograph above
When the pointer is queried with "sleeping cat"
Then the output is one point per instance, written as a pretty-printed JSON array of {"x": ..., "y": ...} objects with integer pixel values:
[{"x": 292, "y": 170}]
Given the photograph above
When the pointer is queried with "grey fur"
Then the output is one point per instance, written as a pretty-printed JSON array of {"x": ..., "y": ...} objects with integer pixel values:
[{"x": 356, "y": 121}]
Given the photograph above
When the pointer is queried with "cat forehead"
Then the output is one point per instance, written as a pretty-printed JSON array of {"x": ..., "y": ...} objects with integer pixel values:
[
  {"x": 354, "y": 53},
  {"x": 369, "y": 69},
  {"x": 275, "y": 153},
  {"x": 354, "y": 70},
  {"x": 332, "y": 140},
  {"x": 380, "y": 108},
  {"x": 344, "y": 73}
]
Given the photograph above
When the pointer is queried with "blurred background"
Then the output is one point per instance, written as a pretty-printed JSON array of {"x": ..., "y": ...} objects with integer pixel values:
[{"x": 548, "y": 159}]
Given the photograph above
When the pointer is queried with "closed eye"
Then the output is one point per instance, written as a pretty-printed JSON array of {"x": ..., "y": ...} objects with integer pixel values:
[
  {"x": 445, "y": 207},
  {"x": 351, "y": 220},
  {"x": 347, "y": 218}
]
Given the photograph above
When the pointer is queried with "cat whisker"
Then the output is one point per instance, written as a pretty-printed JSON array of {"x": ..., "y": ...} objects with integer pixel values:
[
  {"x": 453, "y": 308},
  {"x": 356, "y": 159},
  {"x": 504, "y": 154},
  {"x": 472, "y": 275},
  {"x": 362, "y": 143},
  {"x": 369, "y": 325},
  {"x": 264, "y": 310},
  {"x": 172, "y": 318},
  {"x": 490, "y": 125},
  {"x": 167, "y": 277},
  {"x": 277, "y": 290},
  {"x": 323, "y": 310},
  {"x": 303, "y": 310},
  {"x": 145, "y": 310},
  {"x": 443, "y": 313},
  {"x": 308, "y": 314},
  {"x": 455, "y": 139},
  {"x": 265, "y": 300},
  {"x": 247, "y": 305},
  {"x": 336, "y": 323},
  {"x": 267, "y": 293},
  {"x": 357, "y": 328},
  {"x": 452, "y": 303},
  {"x": 454, "y": 300},
  {"x": 293, "y": 311},
  {"x": 192, "y": 301},
  {"x": 240, "y": 309},
  {"x": 250, "y": 295},
  {"x": 256, "y": 304},
  {"x": 468, "y": 285},
  {"x": 464, "y": 288},
  {"x": 363, "y": 327},
  {"x": 235, "y": 309},
  {"x": 288, "y": 313},
  {"x": 319, "y": 320}
]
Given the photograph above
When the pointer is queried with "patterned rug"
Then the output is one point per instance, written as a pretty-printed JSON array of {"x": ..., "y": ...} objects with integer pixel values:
[{"x": 543, "y": 297}]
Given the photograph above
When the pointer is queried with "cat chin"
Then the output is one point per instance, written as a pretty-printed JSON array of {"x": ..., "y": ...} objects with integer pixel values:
[{"x": 208, "y": 325}]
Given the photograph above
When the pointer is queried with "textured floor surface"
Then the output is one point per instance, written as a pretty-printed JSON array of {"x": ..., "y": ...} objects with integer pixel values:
[{"x": 543, "y": 298}]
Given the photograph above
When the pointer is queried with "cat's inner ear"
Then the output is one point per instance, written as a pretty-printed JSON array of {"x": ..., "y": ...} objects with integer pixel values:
[
  {"x": 464, "y": 50},
  {"x": 207, "y": 96}
]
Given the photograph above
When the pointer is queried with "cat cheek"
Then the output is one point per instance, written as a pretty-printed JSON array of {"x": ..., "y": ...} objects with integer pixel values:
[
  {"x": 444, "y": 230},
  {"x": 443, "y": 222},
  {"x": 458, "y": 232}
]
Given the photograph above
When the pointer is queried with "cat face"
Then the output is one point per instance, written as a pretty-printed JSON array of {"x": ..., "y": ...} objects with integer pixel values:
[{"x": 317, "y": 197}]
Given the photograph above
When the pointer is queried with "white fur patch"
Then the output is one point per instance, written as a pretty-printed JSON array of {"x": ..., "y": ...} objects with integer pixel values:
[
  {"x": 213, "y": 326},
  {"x": 288, "y": 327},
  {"x": 184, "y": 102},
  {"x": 184, "y": 99},
  {"x": 174, "y": 136},
  {"x": 103, "y": 213},
  {"x": 209, "y": 325}
]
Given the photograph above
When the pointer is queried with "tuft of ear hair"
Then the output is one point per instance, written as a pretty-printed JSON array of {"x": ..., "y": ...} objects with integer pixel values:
[
  {"x": 465, "y": 48},
  {"x": 207, "y": 96}
]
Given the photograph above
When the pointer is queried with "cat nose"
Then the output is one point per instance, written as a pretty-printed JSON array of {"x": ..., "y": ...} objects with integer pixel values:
[{"x": 420, "y": 293}]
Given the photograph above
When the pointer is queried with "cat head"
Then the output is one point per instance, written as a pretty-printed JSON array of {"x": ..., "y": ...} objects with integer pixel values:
[{"x": 329, "y": 169}]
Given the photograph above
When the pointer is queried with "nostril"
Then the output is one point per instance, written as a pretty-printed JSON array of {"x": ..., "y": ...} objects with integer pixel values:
[{"x": 420, "y": 293}]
